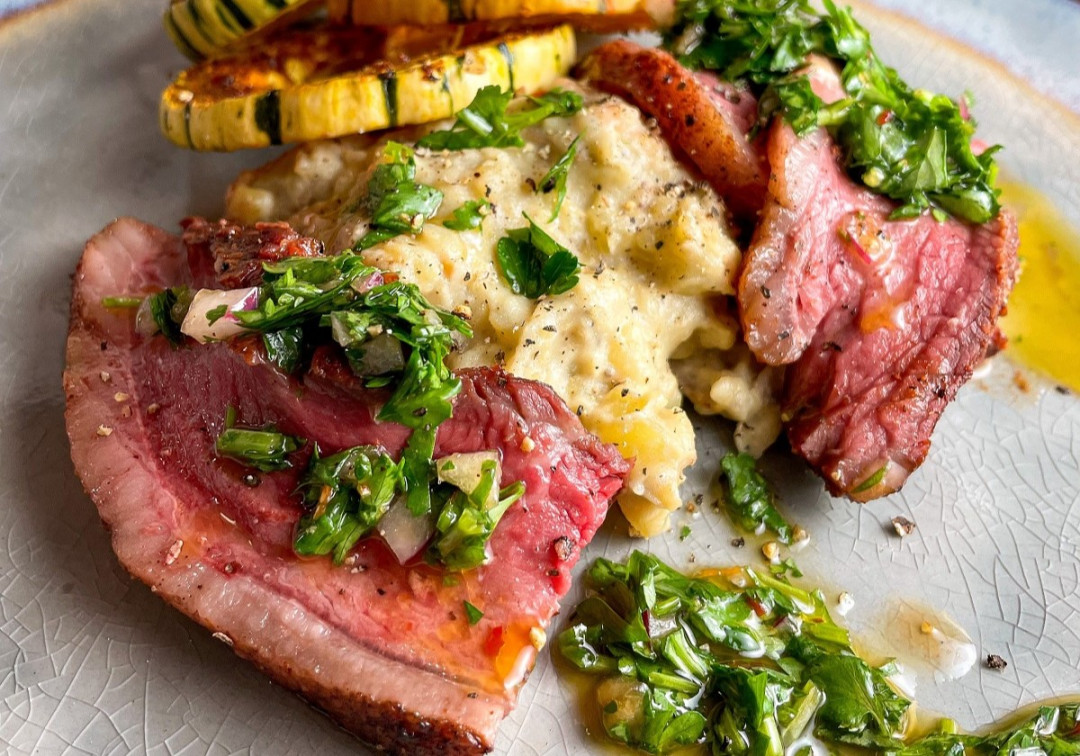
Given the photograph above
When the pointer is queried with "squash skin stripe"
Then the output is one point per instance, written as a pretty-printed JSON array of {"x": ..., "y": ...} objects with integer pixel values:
[
  {"x": 178, "y": 38},
  {"x": 268, "y": 115},
  {"x": 241, "y": 18},
  {"x": 390, "y": 95},
  {"x": 420, "y": 91},
  {"x": 209, "y": 26}
]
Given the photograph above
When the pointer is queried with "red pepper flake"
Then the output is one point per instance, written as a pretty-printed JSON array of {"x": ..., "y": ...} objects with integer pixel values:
[
  {"x": 757, "y": 606},
  {"x": 494, "y": 642},
  {"x": 885, "y": 117}
]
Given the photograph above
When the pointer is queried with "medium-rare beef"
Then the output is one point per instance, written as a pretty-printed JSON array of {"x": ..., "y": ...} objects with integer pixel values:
[
  {"x": 387, "y": 650},
  {"x": 880, "y": 321},
  {"x": 704, "y": 118},
  {"x": 227, "y": 255}
]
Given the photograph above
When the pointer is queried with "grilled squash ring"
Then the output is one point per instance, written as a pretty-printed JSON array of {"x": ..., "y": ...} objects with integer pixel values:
[
  {"x": 597, "y": 15},
  {"x": 318, "y": 83},
  {"x": 201, "y": 28}
]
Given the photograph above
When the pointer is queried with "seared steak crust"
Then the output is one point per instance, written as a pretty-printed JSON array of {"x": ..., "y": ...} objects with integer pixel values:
[{"x": 705, "y": 119}]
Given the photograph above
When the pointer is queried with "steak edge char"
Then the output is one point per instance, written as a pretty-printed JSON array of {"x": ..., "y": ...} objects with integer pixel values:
[
  {"x": 386, "y": 650},
  {"x": 705, "y": 119},
  {"x": 879, "y": 321}
]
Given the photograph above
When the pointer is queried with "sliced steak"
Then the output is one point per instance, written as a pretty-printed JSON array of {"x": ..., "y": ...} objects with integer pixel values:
[
  {"x": 880, "y": 321},
  {"x": 230, "y": 256},
  {"x": 705, "y": 119},
  {"x": 387, "y": 650}
]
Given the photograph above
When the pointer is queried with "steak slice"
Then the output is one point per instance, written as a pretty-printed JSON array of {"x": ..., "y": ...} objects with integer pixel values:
[
  {"x": 705, "y": 119},
  {"x": 385, "y": 649},
  {"x": 880, "y": 321}
]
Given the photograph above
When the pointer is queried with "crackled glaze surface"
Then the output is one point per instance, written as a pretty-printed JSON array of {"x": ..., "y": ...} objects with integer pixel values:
[{"x": 91, "y": 662}]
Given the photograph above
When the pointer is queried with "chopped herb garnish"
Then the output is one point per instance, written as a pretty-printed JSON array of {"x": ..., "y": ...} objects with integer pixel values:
[
  {"x": 265, "y": 450},
  {"x": 398, "y": 204},
  {"x": 786, "y": 567},
  {"x": 534, "y": 264},
  {"x": 907, "y": 144},
  {"x": 555, "y": 179},
  {"x": 488, "y": 122},
  {"x": 284, "y": 347},
  {"x": 168, "y": 308},
  {"x": 216, "y": 314},
  {"x": 739, "y": 658},
  {"x": 345, "y": 496},
  {"x": 472, "y": 614},
  {"x": 685, "y": 532},
  {"x": 873, "y": 480},
  {"x": 121, "y": 302},
  {"x": 749, "y": 499},
  {"x": 469, "y": 216},
  {"x": 467, "y": 520}
]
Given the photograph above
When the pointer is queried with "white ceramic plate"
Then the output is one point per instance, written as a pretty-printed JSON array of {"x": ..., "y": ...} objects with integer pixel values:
[{"x": 91, "y": 662}]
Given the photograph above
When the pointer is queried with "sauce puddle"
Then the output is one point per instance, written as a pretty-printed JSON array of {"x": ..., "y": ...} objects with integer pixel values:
[{"x": 1044, "y": 310}]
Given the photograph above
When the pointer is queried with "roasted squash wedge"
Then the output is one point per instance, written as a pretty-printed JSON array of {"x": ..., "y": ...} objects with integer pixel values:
[
  {"x": 598, "y": 15},
  {"x": 315, "y": 83},
  {"x": 200, "y": 28}
]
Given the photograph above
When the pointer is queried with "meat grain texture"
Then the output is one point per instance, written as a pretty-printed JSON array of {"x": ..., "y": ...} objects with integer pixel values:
[{"x": 386, "y": 650}]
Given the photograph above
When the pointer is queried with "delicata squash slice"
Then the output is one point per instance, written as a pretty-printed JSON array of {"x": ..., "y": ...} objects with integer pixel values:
[
  {"x": 317, "y": 83},
  {"x": 201, "y": 28},
  {"x": 598, "y": 15}
]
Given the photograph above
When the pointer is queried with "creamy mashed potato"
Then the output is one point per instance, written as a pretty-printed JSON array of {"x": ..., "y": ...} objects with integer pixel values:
[{"x": 658, "y": 268}]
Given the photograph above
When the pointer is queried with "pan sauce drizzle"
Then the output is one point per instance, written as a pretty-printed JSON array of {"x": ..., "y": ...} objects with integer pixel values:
[{"x": 1044, "y": 311}]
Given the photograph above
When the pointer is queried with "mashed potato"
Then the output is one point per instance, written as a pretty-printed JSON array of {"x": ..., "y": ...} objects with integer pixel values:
[{"x": 658, "y": 268}]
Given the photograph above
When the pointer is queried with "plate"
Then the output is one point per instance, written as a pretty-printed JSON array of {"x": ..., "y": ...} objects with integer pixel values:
[{"x": 91, "y": 662}]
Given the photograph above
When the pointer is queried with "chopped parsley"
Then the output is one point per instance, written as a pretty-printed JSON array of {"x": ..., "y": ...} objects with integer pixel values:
[
  {"x": 469, "y": 216},
  {"x": 488, "y": 120},
  {"x": 472, "y": 614},
  {"x": 749, "y": 499},
  {"x": 555, "y": 179},
  {"x": 265, "y": 450},
  {"x": 534, "y": 264},
  {"x": 397, "y": 203},
  {"x": 167, "y": 309},
  {"x": 907, "y": 144},
  {"x": 345, "y": 496},
  {"x": 466, "y": 522}
]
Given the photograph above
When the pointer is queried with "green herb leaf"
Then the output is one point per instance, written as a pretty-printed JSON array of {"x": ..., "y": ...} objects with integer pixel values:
[
  {"x": 284, "y": 347},
  {"x": 534, "y": 264},
  {"x": 345, "y": 496},
  {"x": 265, "y": 450},
  {"x": 749, "y": 498},
  {"x": 168, "y": 309},
  {"x": 555, "y": 179},
  {"x": 472, "y": 614},
  {"x": 398, "y": 204},
  {"x": 469, "y": 216},
  {"x": 786, "y": 567},
  {"x": 488, "y": 121},
  {"x": 907, "y": 144},
  {"x": 466, "y": 524},
  {"x": 216, "y": 314}
]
